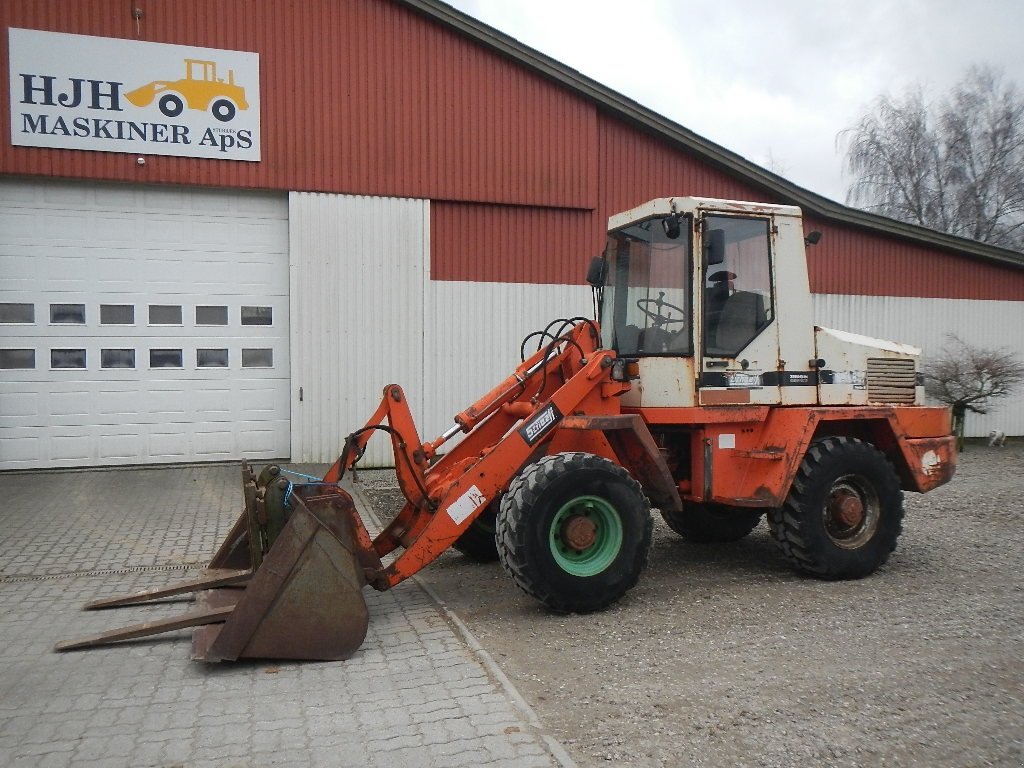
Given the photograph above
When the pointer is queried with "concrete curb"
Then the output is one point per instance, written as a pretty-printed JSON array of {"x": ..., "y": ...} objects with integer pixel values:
[{"x": 556, "y": 749}]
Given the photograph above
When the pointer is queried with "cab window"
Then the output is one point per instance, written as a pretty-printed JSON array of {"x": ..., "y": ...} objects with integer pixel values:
[
  {"x": 737, "y": 283},
  {"x": 646, "y": 302}
]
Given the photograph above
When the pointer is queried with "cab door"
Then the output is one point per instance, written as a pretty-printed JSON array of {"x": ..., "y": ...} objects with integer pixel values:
[{"x": 738, "y": 338}]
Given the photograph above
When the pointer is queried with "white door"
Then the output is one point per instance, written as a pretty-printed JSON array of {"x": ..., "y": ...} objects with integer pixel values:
[{"x": 141, "y": 324}]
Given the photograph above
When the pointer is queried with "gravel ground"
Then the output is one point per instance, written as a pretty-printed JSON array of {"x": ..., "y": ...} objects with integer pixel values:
[{"x": 722, "y": 656}]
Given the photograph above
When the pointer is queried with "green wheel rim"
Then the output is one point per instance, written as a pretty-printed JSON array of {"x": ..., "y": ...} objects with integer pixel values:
[{"x": 607, "y": 536}]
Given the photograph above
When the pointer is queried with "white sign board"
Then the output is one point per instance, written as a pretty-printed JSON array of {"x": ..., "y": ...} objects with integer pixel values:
[{"x": 110, "y": 95}]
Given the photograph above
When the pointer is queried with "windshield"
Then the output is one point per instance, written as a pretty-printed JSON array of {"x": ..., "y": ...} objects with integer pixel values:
[{"x": 646, "y": 301}]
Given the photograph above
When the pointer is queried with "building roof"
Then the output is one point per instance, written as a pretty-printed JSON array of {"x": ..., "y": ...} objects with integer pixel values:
[{"x": 615, "y": 103}]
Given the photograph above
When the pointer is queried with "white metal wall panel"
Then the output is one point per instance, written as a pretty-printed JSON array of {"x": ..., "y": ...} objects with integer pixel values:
[
  {"x": 473, "y": 336},
  {"x": 925, "y": 323},
  {"x": 366, "y": 314},
  {"x": 95, "y": 244},
  {"x": 357, "y": 272}
]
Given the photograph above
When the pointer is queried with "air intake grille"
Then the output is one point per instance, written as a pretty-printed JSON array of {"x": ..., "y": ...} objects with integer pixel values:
[{"x": 891, "y": 381}]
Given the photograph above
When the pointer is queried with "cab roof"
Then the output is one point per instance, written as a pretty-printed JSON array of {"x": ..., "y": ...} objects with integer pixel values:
[{"x": 663, "y": 206}]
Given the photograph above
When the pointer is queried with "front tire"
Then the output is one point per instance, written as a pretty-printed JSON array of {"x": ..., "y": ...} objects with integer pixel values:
[
  {"x": 171, "y": 104},
  {"x": 574, "y": 531},
  {"x": 710, "y": 523},
  {"x": 223, "y": 110},
  {"x": 844, "y": 513}
]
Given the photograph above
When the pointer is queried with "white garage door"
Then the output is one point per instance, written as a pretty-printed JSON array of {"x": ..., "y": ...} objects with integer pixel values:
[{"x": 141, "y": 324}]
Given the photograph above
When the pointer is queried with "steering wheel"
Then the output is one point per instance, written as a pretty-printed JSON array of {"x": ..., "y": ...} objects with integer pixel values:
[{"x": 658, "y": 317}]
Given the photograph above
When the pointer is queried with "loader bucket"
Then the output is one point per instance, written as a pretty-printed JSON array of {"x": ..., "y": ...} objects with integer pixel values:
[
  {"x": 142, "y": 97},
  {"x": 285, "y": 584}
]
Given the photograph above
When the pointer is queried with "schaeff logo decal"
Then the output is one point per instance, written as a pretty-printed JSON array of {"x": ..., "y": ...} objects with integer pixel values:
[
  {"x": 540, "y": 424},
  {"x": 112, "y": 95}
]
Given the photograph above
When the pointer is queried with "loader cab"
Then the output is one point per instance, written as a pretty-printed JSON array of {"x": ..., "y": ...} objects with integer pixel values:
[{"x": 691, "y": 290}]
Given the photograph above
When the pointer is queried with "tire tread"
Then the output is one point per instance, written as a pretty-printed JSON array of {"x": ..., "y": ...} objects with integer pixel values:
[
  {"x": 513, "y": 526},
  {"x": 787, "y": 523}
]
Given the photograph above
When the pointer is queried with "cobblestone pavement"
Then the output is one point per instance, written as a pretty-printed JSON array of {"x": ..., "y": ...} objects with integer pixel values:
[{"x": 420, "y": 692}]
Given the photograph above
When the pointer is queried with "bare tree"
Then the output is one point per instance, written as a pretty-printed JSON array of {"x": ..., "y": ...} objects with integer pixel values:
[
  {"x": 956, "y": 166},
  {"x": 968, "y": 378}
]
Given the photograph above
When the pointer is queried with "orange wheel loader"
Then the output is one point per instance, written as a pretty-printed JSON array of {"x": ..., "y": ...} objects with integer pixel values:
[{"x": 703, "y": 389}]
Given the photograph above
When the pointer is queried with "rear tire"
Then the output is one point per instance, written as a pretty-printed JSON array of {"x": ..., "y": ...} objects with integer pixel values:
[
  {"x": 708, "y": 523},
  {"x": 574, "y": 531},
  {"x": 844, "y": 512},
  {"x": 478, "y": 541},
  {"x": 171, "y": 104}
]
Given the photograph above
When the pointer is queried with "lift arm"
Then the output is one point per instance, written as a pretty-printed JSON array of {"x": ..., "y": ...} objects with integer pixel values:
[{"x": 503, "y": 430}]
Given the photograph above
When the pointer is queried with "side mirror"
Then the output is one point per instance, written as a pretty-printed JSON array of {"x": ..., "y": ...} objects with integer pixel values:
[
  {"x": 716, "y": 247},
  {"x": 671, "y": 225},
  {"x": 812, "y": 238},
  {"x": 596, "y": 271}
]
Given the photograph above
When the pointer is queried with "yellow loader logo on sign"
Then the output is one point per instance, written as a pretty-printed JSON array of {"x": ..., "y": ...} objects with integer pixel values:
[{"x": 200, "y": 89}]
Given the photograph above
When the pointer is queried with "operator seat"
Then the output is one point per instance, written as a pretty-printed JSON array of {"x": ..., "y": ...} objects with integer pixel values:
[
  {"x": 627, "y": 339},
  {"x": 742, "y": 317},
  {"x": 715, "y": 295}
]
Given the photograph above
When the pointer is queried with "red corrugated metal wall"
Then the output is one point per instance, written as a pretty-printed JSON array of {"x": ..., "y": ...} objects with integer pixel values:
[
  {"x": 635, "y": 167},
  {"x": 851, "y": 261},
  {"x": 361, "y": 96},
  {"x": 512, "y": 244},
  {"x": 368, "y": 97},
  {"x": 534, "y": 245},
  {"x": 488, "y": 242}
]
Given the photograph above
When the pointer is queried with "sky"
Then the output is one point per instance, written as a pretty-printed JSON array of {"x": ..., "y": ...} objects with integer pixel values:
[{"x": 774, "y": 81}]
